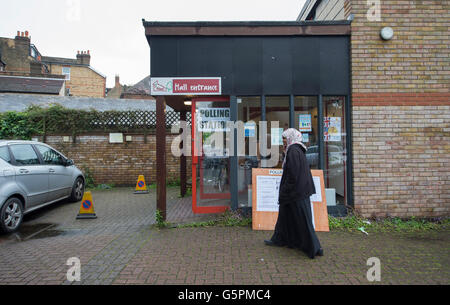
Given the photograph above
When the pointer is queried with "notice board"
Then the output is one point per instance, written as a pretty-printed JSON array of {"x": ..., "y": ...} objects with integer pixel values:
[{"x": 265, "y": 185}]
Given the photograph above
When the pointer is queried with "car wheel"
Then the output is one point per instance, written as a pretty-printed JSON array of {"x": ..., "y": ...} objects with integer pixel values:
[
  {"x": 77, "y": 190},
  {"x": 11, "y": 215}
]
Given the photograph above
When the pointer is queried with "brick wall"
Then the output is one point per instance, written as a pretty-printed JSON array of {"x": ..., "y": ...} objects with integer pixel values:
[
  {"x": 119, "y": 163},
  {"x": 401, "y": 109},
  {"x": 401, "y": 160},
  {"x": 83, "y": 81},
  {"x": 15, "y": 54}
]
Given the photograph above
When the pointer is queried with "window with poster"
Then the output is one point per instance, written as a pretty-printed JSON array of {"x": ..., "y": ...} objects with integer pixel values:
[{"x": 335, "y": 152}]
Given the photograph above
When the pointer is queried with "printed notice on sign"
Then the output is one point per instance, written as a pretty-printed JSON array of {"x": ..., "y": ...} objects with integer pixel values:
[
  {"x": 267, "y": 193},
  {"x": 317, "y": 197},
  {"x": 213, "y": 119}
]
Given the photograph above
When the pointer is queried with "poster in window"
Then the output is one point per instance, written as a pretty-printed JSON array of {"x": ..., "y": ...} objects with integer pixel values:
[
  {"x": 305, "y": 137},
  {"x": 276, "y": 136},
  {"x": 332, "y": 129},
  {"x": 250, "y": 129},
  {"x": 213, "y": 119},
  {"x": 304, "y": 122}
]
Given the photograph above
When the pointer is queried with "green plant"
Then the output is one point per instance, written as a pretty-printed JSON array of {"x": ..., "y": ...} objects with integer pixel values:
[
  {"x": 160, "y": 222},
  {"x": 37, "y": 120},
  {"x": 174, "y": 182},
  {"x": 88, "y": 177},
  {"x": 16, "y": 125},
  {"x": 387, "y": 224},
  {"x": 210, "y": 223},
  {"x": 234, "y": 218},
  {"x": 188, "y": 193}
]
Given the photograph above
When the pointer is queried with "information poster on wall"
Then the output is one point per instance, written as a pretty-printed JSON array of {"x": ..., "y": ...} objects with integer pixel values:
[
  {"x": 265, "y": 190},
  {"x": 304, "y": 123},
  {"x": 276, "y": 136},
  {"x": 305, "y": 137},
  {"x": 213, "y": 119},
  {"x": 250, "y": 129},
  {"x": 332, "y": 129}
]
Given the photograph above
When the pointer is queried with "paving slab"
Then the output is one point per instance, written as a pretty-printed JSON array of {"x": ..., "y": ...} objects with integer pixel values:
[{"x": 122, "y": 247}]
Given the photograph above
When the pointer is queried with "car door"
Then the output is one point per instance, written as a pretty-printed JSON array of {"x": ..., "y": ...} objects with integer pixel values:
[
  {"x": 60, "y": 176},
  {"x": 31, "y": 175}
]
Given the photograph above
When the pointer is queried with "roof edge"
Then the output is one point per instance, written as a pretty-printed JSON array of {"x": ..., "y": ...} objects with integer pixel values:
[
  {"x": 248, "y": 28},
  {"x": 241, "y": 23}
]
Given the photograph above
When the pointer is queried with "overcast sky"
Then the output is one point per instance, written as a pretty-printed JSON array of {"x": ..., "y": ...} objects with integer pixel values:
[{"x": 112, "y": 30}]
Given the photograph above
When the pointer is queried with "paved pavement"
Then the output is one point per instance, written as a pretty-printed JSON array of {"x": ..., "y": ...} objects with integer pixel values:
[{"x": 121, "y": 247}]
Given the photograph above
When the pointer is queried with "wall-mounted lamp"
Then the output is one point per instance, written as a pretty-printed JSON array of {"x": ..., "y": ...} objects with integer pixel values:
[
  {"x": 188, "y": 103},
  {"x": 387, "y": 33}
]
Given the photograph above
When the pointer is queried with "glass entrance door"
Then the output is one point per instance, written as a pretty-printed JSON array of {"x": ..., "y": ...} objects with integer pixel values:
[{"x": 210, "y": 155}]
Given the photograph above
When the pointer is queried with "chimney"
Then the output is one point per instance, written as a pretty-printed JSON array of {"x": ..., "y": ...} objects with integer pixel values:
[
  {"x": 22, "y": 35},
  {"x": 23, "y": 42},
  {"x": 117, "y": 82},
  {"x": 83, "y": 58}
]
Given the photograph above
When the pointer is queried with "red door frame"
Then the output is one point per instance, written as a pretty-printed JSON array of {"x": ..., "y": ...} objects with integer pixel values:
[{"x": 195, "y": 159}]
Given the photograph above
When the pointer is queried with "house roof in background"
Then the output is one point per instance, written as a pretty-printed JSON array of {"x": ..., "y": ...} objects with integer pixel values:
[
  {"x": 25, "y": 84},
  {"x": 60, "y": 60},
  {"x": 20, "y": 102},
  {"x": 140, "y": 88},
  {"x": 67, "y": 61}
]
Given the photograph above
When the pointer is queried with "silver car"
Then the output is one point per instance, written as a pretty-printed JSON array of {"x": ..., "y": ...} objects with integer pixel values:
[{"x": 33, "y": 175}]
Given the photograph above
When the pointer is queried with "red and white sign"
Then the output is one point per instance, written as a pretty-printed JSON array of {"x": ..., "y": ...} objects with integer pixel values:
[{"x": 186, "y": 86}]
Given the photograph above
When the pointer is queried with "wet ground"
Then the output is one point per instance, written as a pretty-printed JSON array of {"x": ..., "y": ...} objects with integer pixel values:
[{"x": 122, "y": 247}]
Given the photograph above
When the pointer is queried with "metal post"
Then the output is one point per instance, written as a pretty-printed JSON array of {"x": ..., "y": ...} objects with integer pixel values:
[
  {"x": 161, "y": 155},
  {"x": 234, "y": 158},
  {"x": 291, "y": 112},
  {"x": 321, "y": 142},
  {"x": 263, "y": 108},
  {"x": 182, "y": 160}
]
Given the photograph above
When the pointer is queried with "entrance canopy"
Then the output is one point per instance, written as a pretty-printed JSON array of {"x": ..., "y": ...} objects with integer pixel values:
[
  {"x": 270, "y": 70},
  {"x": 255, "y": 58}
]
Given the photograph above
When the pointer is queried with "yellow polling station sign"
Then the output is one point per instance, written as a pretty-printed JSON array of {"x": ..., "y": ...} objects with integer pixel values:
[
  {"x": 87, "y": 207},
  {"x": 141, "y": 187}
]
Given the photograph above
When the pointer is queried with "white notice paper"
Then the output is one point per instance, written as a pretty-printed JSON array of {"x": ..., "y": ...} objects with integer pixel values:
[
  {"x": 267, "y": 193},
  {"x": 317, "y": 197}
]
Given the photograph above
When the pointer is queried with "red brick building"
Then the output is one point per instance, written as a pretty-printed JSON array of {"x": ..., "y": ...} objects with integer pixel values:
[{"x": 400, "y": 103}]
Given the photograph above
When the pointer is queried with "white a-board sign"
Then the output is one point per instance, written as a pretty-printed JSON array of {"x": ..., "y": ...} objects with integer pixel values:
[{"x": 265, "y": 189}]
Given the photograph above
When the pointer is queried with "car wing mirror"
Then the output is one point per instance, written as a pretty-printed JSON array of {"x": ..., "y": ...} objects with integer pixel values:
[{"x": 69, "y": 162}]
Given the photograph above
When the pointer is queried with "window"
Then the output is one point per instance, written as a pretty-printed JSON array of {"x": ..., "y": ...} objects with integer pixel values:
[
  {"x": 305, "y": 120},
  {"x": 4, "y": 154},
  {"x": 50, "y": 156},
  {"x": 249, "y": 112},
  {"x": 24, "y": 154},
  {"x": 277, "y": 116},
  {"x": 66, "y": 72},
  {"x": 335, "y": 153}
]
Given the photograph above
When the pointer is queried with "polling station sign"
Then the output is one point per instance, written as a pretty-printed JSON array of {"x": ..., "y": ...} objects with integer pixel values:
[
  {"x": 186, "y": 86},
  {"x": 212, "y": 119}
]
